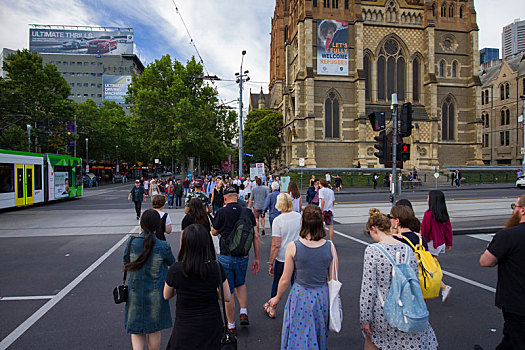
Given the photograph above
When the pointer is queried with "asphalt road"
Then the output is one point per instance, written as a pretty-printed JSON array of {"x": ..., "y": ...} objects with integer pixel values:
[{"x": 67, "y": 256}]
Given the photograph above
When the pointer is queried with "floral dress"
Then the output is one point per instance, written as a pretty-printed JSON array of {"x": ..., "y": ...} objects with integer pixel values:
[{"x": 377, "y": 275}]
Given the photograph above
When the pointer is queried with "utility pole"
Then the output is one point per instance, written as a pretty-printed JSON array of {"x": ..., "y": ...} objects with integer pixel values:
[
  {"x": 87, "y": 155},
  {"x": 75, "y": 136},
  {"x": 28, "y": 137},
  {"x": 394, "y": 149},
  {"x": 523, "y": 120},
  {"x": 241, "y": 78}
]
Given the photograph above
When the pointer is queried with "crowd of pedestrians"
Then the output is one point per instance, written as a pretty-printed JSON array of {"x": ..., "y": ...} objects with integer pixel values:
[{"x": 222, "y": 222}]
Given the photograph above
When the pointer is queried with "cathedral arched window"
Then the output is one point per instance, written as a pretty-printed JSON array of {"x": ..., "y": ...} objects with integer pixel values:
[
  {"x": 447, "y": 120},
  {"x": 451, "y": 11},
  {"x": 507, "y": 117},
  {"x": 461, "y": 12},
  {"x": 315, "y": 3},
  {"x": 482, "y": 98},
  {"x": 434, "y": 9},
  {"x": 507, "y": 91},
  {"x": 441, "y": 69},
  {"x": 487, "y": 124},
  {"x": 416, "y": 77},
  {"x": 454, "y": 69},
  {"x": 368, "y": 77},
  {"x": 444, "y": 10},
  {"x": 391, "y": 71},
  {"x": 502, "y": 92},
  {"x": 331, "y": 117},
  {"x": 335, "y": 4},
  {"x": 502, "y": 119},
  {"x": 487, "y": 97},
  {"x": 326, "y": 3}
]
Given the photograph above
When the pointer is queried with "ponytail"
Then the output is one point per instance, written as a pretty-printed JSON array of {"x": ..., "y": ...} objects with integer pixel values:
[{"x": 149, "y": 222}]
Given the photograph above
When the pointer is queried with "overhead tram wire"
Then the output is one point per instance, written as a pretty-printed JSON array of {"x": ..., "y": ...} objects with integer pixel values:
[{"x": 192, "y": 42}]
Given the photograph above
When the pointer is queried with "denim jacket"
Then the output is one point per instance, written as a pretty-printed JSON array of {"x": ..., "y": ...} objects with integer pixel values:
[{"x": 146, "y": 309}]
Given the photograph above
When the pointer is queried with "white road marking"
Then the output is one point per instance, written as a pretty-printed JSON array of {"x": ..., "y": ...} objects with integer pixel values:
[
  {"x": 487, "y": 237},
  {"x": 450, "y": 274},
  {"x": 30, "y": 297},
  {"x": 20, "y": 330}
]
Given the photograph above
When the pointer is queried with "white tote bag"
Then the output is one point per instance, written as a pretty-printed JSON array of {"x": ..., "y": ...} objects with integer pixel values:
[{"x": 336, "y": 308}]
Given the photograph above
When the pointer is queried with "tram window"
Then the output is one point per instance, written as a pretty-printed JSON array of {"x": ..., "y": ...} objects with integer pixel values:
[
  {"x": 20, "y": 182},
  {"x": 7, "y": 178},
  {"x": 38, "y": 177},
  {"x": 29, "y": 175}
]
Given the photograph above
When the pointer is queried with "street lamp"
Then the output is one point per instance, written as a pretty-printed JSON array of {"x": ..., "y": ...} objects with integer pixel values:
[
  {"x": 87, "y": 155},
  {"x": 28, "y": 137},
  {"x": 240, "y": 79}
]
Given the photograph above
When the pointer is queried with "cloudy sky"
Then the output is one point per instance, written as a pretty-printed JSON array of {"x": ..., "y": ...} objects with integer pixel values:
[{"x": 220, "y": 29}]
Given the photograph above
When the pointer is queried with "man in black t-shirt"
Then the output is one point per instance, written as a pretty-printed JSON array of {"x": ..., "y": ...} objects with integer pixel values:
[
  {"x": 507, "y": 250},
  {"x": 235, "y": 266}
]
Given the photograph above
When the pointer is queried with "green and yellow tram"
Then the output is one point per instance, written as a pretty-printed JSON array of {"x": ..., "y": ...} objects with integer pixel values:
[{"x": 28, "y": 178}]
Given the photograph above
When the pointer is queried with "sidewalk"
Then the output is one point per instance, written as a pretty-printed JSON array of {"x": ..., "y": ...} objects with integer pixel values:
[{"x": 425, "y": 187}]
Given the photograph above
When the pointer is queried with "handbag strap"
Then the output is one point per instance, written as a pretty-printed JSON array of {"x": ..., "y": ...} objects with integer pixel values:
[
  {"x": 334, "y": 262},
  {"x": 131, "y": 238},
  {"x": 222, "y": 295}
]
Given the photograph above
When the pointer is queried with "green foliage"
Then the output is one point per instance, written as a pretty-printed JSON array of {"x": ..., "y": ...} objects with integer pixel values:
[
  {"x": 33, "y": 94},
  {"x": 262, "y": 135},
  {"x": 177, "y": 115}
]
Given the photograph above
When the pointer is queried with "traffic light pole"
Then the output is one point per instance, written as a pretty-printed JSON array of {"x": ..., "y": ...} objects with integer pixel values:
[{"x": 394, "y": 149}]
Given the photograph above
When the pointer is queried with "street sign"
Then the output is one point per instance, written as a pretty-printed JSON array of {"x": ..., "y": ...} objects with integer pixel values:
[
  {"x": 520, "y": 118},
  {"x": 436, "y": 175},
  {"x": 301, "y": 161},
  {"x": 247, "y": 154},
  {"x": 523, "y": 150}
]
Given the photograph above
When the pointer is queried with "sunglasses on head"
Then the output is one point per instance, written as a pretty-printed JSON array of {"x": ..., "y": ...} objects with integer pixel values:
[
  {"x": 514, "y": 206},
  {"x": 390, "y": 216}
]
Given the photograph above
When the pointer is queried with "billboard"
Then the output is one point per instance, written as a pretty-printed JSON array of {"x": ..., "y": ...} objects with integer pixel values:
[
  {"x": 115, "y": 87},
  {"x": 99, "y": 42},
  {"x": 332, "y": 47}
]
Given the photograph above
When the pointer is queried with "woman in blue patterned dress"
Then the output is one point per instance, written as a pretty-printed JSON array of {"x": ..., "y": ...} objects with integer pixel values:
[
  {"x": 305, "y": 320},
  {"x": 147, "y": 313}
]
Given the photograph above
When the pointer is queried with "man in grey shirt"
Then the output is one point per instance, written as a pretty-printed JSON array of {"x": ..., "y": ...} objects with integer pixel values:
[{"x": 257, "y": 200}]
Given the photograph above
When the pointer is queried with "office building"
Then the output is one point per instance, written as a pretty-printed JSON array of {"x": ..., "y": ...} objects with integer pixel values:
[
  {"x": 513, "y": 38},
  {"x": 488, "y": 54}
]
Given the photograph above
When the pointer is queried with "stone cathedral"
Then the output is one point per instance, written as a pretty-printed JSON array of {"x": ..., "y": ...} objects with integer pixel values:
[{"x": 333, "y": 62}]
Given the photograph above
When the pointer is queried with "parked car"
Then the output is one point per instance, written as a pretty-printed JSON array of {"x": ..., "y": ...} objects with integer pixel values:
[
  {"x": 520, "y": 183},
  {"x": 103, "y": 44},
  {"x": 119, "y": 178}
]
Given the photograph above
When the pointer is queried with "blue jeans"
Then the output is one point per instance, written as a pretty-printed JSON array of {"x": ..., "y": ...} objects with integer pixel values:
[
  {"x": 186, "y": 190},
  {"x": 235, "y": 268},
  {"x": 170, "y": 199},
  {"x": 278, "y": 269}
]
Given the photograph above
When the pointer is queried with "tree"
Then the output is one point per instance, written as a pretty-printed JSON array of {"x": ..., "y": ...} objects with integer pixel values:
[
  {"x": 37, "y": 95},
  {"x": 262, "y": 135},
  {"x": 177, "y": 115}
]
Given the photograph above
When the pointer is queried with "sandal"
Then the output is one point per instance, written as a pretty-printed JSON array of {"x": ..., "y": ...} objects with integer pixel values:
[{"x": 270, "y": 311}]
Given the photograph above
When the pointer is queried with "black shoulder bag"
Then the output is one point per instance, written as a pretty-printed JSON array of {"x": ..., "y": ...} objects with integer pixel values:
[
  {"x": 228, "y": 340},
  {"x": 120, "y": 293}
]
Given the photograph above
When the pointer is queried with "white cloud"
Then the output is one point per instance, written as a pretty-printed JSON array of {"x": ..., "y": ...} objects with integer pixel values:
[{"x": 220, "y": 29}]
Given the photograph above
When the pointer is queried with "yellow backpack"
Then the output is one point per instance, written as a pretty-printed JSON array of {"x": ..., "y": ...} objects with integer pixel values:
[{"x": 430, "y": 273}]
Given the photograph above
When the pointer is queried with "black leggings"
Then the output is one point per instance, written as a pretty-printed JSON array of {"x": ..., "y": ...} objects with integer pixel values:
[{"x": 138, "y": 206}]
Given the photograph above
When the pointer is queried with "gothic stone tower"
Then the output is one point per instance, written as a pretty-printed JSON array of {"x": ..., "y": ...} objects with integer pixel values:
[{"x": 335, "y": 61}]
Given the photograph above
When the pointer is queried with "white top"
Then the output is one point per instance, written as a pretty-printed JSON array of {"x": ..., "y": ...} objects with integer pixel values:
[
  {"x": 248, "y": 186},
  {"x": 296, "y": 204},
  {"x": 329, "y": 198},
  {"x": 146, "y": 184},
  {"x": 168, "y": 219},
  {"x": 242, "y": 195},
  {"x": 237, "y": 182},
  {"x": 328, "y": 177},
  {"x": 286, "y": 226}
]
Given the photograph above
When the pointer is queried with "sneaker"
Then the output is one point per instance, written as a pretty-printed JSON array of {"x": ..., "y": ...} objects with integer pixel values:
[
  {"x": 138, "y": 217},
  {"x": 233, "y": 330},
  {"x": 244, "y": 320},
  {"x": 263, "y": 233},
  {"x": 446, "y": 293}
]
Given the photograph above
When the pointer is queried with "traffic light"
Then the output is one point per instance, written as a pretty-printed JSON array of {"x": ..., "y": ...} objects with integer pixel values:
[
  {"x": 381, "y": 146},
  {"x": 377, "y": 119},
  {"x": 406, "y": 120},
  {"x": 403, "y": 152}
]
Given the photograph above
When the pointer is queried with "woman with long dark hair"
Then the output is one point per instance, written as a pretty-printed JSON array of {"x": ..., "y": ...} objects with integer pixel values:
[
  {"x": 297, "y": 201},
  {"x": 217, "y": 198},
  {"x": 194, "y": 278},
  {"x": 436, "y": 229},
  {"x": 147, "y": 313},
  {"x": 197, "y": 214},
  {"x": 305, "y": 322}
]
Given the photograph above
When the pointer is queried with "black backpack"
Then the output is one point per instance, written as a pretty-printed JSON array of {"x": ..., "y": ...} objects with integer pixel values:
[
  {"x": 162, "y": 228},
  {"x": 239, "y": 242}
]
